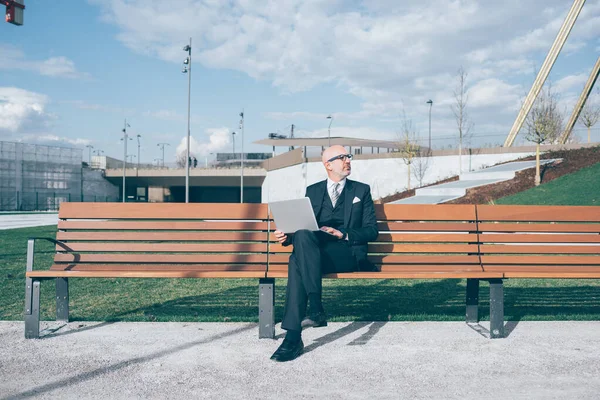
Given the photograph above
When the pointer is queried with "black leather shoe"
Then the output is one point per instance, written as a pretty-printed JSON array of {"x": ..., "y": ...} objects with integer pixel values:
[
  {"x": 314, "y": 321},
  {"x": 288, "y": 351}
]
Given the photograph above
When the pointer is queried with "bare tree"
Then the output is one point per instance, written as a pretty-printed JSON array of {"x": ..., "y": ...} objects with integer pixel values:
[
  {"x": 544, "y": 123},
  {"x": 459, "y": 109},
  {"x": 421, "y": 165},
  {"x": 180, "y": 159},
  {"x": 407, "y": 145},
  {"x": 590, "y": 114}
]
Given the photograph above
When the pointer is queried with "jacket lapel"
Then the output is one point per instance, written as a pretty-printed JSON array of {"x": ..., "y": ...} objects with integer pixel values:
[
  {"x": 318, "y": 202},
  {"x": 348, "y": 197}
]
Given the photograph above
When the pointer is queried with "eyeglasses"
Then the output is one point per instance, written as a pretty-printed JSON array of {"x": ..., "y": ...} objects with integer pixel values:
[{"x": 342, "y": 157}]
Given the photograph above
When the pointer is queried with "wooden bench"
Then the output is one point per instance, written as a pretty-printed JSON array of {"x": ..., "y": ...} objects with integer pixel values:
[
  {"x": 489, "y": 243},
  {"x": 133, "y": 240}
]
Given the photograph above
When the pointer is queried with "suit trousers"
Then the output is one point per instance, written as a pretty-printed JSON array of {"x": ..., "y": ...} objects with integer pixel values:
[{"x": 314, "y": 254}]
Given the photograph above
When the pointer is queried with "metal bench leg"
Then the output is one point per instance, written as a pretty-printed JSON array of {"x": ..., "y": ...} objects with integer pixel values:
[
  {"x": 62, "y": 299},
  {"x": 472, "y": 314},
  {"x": 496, "y": 309},
  {"x": 32, "y": 309},
  {"x": 266, "y": 308}
]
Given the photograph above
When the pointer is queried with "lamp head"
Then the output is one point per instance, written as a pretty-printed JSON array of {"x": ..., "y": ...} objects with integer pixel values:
[
  {"x": 186, "y": 61},
  {"x": 184, "y": 70},
  {"x": 187, "y": 47},
  {"x": 430, "y": 102}
]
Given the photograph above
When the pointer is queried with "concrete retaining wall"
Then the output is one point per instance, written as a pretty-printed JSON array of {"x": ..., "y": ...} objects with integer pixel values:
[{"x": 385, "y": 176}]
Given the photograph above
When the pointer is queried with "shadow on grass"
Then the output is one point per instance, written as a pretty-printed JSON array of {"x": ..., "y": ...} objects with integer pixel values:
[{"x": 381, "y": 300}]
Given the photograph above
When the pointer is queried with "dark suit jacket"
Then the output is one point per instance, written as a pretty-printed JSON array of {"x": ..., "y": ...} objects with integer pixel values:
[{"x": 359, "y": 215}]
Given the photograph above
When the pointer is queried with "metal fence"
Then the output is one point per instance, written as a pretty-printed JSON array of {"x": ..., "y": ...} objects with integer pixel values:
[{"x": 36, "y": 177}]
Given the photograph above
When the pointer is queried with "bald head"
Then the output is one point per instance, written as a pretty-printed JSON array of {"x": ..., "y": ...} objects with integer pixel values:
[
  {"x": 339, "y": 168},
  {"x": 333, "y": 151}
]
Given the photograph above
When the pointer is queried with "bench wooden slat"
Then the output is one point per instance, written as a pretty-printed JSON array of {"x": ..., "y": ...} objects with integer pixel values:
[
  {"x": 542, "y": 249},
  {"x": 546, "y": 268},
  {"x": 145, "y": 274},
  {"x": 401, "y": 275},
  {"x": 538, "y": 213},
  {"x": 158, "y": 267},
  {"x": 551, "y": 275},
  {"x": 162, "y": 225},
  {"x": 401, "y": 259},
  {"x": 166, "y": 247},
  {"x": 425, "y": 212},
  {"x": 539, "y": 260},
  {"x": 404, "y": 248},
  {"x": 161, "y": 258},
  {"x": 419, "y": 237},
  {"x": 162, "y": 236},
  {"x": 539, "y": 238},
  {"x": 539, "y": 227},
  {"x": 426, "y": 226},
  {"x": 158, "y": 211},
  {"x": 410, "y": 268}
]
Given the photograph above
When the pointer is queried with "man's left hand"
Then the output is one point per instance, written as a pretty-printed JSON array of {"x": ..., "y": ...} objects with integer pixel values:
[{"x": 333, "y": 232}]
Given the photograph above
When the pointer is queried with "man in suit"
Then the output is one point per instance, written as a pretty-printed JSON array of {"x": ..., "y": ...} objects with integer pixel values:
[{"x": 346, "y": 217}]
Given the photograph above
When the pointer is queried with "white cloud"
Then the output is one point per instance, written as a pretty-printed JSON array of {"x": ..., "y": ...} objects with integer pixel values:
[
  {"x": 167, "y": 115},
  {"x": 570, "y": 82},
  {"x": 389, "y": 54},
  {"x": 219, "y": 140},
  {"x": 494, "y": 93},
  {"x": 53, "y": 140},
  {"x": 12, "y": 58},
  {"x": 22, "y": 110}
]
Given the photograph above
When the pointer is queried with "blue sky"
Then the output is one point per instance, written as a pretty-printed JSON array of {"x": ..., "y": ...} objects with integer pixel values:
[{"x": 70, "y": 76}]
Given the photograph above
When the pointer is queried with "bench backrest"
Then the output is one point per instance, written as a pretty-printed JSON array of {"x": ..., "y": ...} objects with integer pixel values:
[
  {"x": 539, "y": 241},
  {"x": 414, "y": 239},
  {"x": 203, "y": 239}
]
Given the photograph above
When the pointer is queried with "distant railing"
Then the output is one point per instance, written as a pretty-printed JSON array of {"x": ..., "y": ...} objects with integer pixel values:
[{"x": 45, "y": 201}]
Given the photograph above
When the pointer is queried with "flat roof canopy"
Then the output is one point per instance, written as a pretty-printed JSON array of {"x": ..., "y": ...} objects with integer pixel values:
[{"x": 324, "y": 142}]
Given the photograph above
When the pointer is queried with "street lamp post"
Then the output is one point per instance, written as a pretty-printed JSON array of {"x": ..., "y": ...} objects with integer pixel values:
[
  {"x": 125, "y": 137},
  {"x": 430, "y": 102},
  {"x": 162, "y": 146},
  {"x": 330, "y": 118},
  {"x": 233, "y": 136},
  {"x": 90, "y": 147},
  {"x": 187, "y": 68},
  {"x": 242, "y": 159},
  {"x": 138, "y": 156}
]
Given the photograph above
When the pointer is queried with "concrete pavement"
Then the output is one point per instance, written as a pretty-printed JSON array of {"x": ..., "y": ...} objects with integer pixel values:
[
  {"x": 24, "y": 220},
  {"x": 357, "y": 360}
]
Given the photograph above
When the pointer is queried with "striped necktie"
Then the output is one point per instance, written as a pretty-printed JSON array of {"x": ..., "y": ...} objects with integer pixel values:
[{"x": 335, "y": 194}]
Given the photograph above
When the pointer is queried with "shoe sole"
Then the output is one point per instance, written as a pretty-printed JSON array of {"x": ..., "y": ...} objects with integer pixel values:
[{"x": 313, "y": 324}]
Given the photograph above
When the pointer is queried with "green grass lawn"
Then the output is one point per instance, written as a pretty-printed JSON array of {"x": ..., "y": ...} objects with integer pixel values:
[
  {"x": 581, "y": 188},
  {"x": 237, "y": 299}
]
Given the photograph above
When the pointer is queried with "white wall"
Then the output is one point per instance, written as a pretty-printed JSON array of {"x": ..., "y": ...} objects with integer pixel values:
[{"x": 385, "y": 176}]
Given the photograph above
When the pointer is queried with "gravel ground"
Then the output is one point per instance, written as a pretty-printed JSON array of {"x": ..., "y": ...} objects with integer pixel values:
[{"x": 435, "y": 360}]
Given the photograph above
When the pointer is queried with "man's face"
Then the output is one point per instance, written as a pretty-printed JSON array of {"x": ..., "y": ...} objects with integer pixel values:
[{"x": 340, "y": 166}]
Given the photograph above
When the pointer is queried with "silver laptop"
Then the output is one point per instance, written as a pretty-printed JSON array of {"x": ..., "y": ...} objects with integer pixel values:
[{"x": 293, "y": 215}]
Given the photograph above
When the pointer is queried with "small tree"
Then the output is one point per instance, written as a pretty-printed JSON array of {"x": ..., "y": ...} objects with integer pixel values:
[
  {"x": 421, "y": 165},
  {"x": 544, "y": 123},
  {"x": 407, "y": 146},
  {"x": 459, "y": 109},
  {"x": 590, "y": 114}
]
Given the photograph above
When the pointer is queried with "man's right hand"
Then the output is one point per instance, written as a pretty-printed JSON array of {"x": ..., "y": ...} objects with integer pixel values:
[{"x": 280, "y": 236}]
